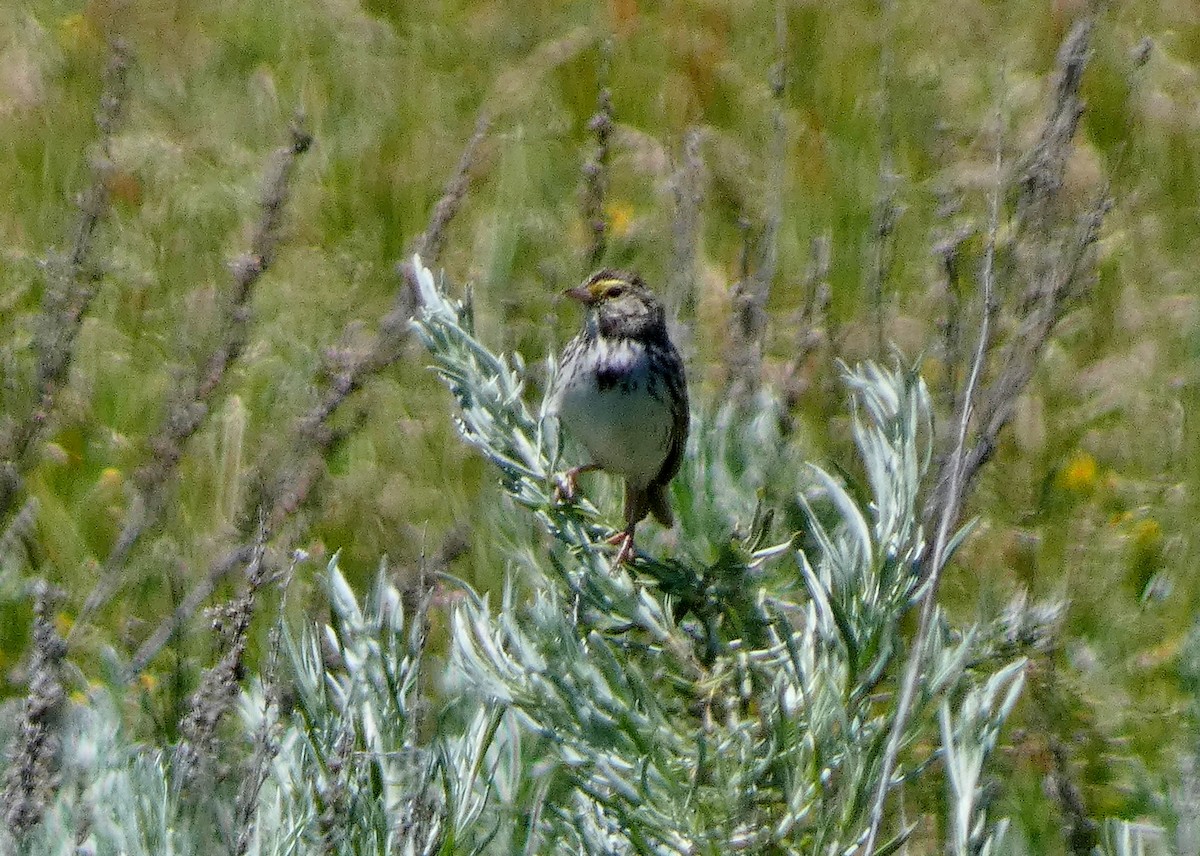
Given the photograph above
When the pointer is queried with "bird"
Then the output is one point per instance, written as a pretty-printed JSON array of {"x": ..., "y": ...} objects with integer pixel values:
[{"x": 621, "y": 391}]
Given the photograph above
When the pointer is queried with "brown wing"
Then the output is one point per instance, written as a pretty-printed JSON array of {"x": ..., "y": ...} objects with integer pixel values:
[{"x": 672, "y": 369}]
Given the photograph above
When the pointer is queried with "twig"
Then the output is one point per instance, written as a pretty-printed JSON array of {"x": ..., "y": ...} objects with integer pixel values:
[
  {"x": 1025, "y": 349},
  {"x": 70, "y": 288},
  {"x": 685, "y": 225},
  {"x": 753, "y": 289},
  {"x": 1053, "y": 280},
  {"x": 1053, "y": 272},
  {"x": 32, "y": 777},
  {"x": 1082, "y": 832},
  {"x": 1046, "y": 164},
  {"x": 393, "y": 329},
  {"x": 265, "y": 745},
  {"x": 347, "y": 373},
  {"x": 333, "y": 792},
  {"x": 947, "y": 519},
  {"x": 350, "y": 374},
  {"x": 429, "y": 245},
  {"x": 768, "y": 259},
  {"x": 948, "y": 251},
  {"x": 219, "y": 686},
  {"x": 20, "y": 527},
  {"x": 595, "y": 168},
  {"x": 314, "y": 438},
  {"x": 186, "y": 609},
  {"x": 250, "y": 267},
  {"x": 747, "y": 326},
  {"x": 883, "y": 221},
  {"x": 810, "y": 323},
  {"x": 188, "y": 413},
  {"x": 418, "y": 600}
]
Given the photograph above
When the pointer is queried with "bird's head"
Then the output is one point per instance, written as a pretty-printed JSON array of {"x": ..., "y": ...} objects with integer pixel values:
[{"x": 620, "y": 304}]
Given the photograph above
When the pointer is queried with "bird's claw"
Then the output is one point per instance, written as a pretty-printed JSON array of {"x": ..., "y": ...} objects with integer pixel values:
[
  {"x": 566, "y": 486},
  {"x": 626, "y": 550}
]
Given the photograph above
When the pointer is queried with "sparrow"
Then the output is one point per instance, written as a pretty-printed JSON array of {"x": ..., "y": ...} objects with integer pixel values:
[{"x": 621, "y": 392}]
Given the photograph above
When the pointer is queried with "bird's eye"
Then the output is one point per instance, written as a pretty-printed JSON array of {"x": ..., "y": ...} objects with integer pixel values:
[{"x": 614, "y": 291}]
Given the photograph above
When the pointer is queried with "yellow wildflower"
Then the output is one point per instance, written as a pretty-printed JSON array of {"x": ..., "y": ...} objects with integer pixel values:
[
  {"x": 1079, "y": 474},
  {"x": 1147, "y": 534},
  {"x": 76, "y": 32},
  {"x": 620, "y": 218},
  {"x": 63, "y": 623}
]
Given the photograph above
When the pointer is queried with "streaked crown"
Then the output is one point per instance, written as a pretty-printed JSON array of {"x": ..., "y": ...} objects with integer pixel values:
[
  {"x": 607, "y": 284},
  {"x": 621, "y": 304}
]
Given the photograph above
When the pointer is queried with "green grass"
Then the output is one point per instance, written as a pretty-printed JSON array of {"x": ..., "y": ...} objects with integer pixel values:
[{"x": 391, "y": 94}]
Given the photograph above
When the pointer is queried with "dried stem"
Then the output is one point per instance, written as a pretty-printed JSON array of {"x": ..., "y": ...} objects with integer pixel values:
[
  {"x": 886, "y": 211},
  {"x": 1082, "y": 832},
  {"x": 947, "y": 519},
  {"x": 70, "y": 289},
  {"x": 348, "y": 375},
  {"x": 953, "y": 330},
  {"x": 257, "y": 770},
  {"x": 1024, "y": 351},
  {"x": 1053, "y": 276},
  {"x": 186, "y": 609},
  {"x": 187, "y": 414},
  {"x": 333, "y": 796},
  {"x": 685, "y": 225},
  {"x": 393, "y": 330},
  {"x": 1054, "y": 267},
  {"x": 265, "y": 746},
  {"x": 810, "y": 322},
  {"x": 595, "y": 171},
  {"x": 314, "y": 436},
  {"x": 418, "y": 600},
  {"x": 753, "y": 289},
  {"x": 32, "y": 777},
  {"x": 347, "y": 372},
  {"x": 248, "y": 268},
  {"x": 777, "y": 164},
  {"x": 220, "y": 685},
  {"x": 429, "y": 245},
  {"x": 20, "y": 527},
  {"x": 1051, "y": 710},
  {"x": 748, "y": 327}
]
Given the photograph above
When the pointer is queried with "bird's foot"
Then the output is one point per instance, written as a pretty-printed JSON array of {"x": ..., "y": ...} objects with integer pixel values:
[
  {"x": 626, "y": 549},
  {"x": 566, "y": 486}
]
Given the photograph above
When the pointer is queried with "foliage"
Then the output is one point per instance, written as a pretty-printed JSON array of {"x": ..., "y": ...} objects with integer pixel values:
[
  {"x": 669, "y": 720},
  {"x": 780, "y": 172},
  {"x": 599, "y": 712}
]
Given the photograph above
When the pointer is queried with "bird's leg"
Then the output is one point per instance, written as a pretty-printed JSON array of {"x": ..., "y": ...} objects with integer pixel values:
[
  {"x": 625, "y": 539},
  {"x": 636, "y": 503},
  {"x": 567, "y": 485}
]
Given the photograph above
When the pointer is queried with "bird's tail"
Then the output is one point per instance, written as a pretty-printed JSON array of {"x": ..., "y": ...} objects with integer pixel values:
[
  {"x": 660, "y": 506},
  {"x": 652, "y": 499}
]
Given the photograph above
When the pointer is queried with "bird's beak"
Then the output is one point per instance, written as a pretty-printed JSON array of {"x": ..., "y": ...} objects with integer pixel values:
[
  {"x": 583, "y": 293},
  {"x": 590, "y": 292}
]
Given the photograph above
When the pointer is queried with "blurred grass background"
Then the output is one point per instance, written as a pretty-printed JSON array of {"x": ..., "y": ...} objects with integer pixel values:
[{"x": 1092, "y": 495}]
